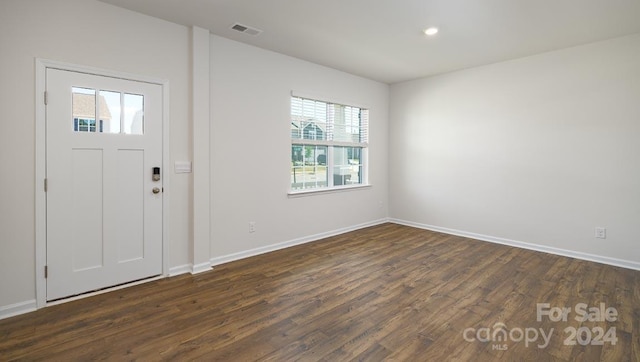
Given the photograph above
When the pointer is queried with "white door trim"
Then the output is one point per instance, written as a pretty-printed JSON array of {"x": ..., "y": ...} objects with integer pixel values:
[{"x": 41, "y": 66}]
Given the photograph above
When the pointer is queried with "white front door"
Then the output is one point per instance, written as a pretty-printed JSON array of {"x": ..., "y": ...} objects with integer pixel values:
[{"x": 104, "y": 205}]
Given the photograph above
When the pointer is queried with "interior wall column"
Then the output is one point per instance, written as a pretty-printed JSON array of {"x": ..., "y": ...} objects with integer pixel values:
[{"x": 200, "y": 78}]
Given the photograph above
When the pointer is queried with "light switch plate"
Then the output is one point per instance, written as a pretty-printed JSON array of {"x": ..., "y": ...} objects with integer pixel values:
[{"x": 182, "y": 167}]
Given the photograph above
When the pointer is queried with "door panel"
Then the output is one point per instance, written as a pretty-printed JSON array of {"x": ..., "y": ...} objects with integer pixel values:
[
  {"x": 85, "y": 214},
  {"x": 104, "y": 222},
  {"x": 130, "y": 235}
]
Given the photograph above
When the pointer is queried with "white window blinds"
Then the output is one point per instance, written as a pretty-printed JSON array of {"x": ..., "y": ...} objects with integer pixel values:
[{"x": 333, "y": 124}]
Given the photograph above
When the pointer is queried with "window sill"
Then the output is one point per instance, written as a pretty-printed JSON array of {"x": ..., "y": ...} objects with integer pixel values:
[{"x": 311, "y": 192}]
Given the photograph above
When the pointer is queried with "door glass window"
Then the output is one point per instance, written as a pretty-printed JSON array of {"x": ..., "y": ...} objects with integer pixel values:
[
  {"x": 109, "y": 106},
  {"x": 84, "y": 109},
  {"x": 133, "y": 114},
  {"x": 104, "y": 111}
]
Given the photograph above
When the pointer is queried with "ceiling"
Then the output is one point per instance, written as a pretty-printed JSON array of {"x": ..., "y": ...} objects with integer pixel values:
[{"x": 383, "y": 39}]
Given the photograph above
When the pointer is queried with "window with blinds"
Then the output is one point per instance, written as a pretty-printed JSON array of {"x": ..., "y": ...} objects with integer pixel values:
[{"x": 329, "y": 144}]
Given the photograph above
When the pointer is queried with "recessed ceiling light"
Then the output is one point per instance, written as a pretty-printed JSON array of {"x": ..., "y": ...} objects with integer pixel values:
[{"x": 431, "y": 31}]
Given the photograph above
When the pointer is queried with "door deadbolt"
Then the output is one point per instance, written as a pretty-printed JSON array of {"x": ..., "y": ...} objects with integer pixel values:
[{"x": 156, "y": 174}]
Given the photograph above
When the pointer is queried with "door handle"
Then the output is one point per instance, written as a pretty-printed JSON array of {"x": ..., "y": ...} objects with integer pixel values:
[{"x": 156, "y": 190}]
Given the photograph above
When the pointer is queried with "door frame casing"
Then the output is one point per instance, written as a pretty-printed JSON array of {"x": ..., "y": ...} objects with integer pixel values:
[{"x": 41, "y": 66}]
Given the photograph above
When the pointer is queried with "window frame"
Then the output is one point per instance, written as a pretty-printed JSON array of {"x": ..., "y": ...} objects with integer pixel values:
[{"x": 331, "y": 146}]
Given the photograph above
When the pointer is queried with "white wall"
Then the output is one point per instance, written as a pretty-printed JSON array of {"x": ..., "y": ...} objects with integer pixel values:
[
  {"x": 251, "y": 149},
  {"x": 539, "y": 150},
  {"x": 87, "y": 33}
]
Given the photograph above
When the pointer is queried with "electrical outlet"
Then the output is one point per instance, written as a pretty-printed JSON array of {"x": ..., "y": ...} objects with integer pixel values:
[
  {"x": 252, "y": 226},
  {"x": 601, "y": 233}
]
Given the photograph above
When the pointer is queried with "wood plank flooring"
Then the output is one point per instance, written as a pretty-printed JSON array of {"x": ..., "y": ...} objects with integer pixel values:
[{"x": 388, "y": 292}]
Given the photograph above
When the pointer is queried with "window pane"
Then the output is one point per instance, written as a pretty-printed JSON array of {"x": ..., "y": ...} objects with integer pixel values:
[
  {"x": 364, "y": 126},
  {"x": 308, "y": 167},
  {"x": 347, "y": 166},
  {"x": 308, "y": 119},
  {"x": 296, "y": 107},
  {"x": 110, "y": 110},
  {"x": 296, "y": 130},
  {"x": 133, "y": 114},
  {"x": 347, "y": 124},
  {"x": 84, "y": 109}
]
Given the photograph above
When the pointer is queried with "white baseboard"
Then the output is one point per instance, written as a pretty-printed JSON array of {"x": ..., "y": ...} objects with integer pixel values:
[
  {"x": 202, "y": 267},
  {"x": 17, "y": 308},
  {"x": 180, "y": 269},
  {"x": 628, "y": 264},
  {"x": 269, "y": 248},
  {"x": 189, "y": 268}
]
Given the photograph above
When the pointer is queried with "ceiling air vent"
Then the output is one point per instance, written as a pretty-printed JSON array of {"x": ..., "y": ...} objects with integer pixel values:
[{"x": 246, "y": 29}]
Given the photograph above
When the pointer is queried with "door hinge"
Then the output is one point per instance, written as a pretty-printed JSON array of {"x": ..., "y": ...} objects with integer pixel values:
[
  {"x": 46, "y": 98},
  {"x": 46, "y": 271},
  {"x": 46, "y": 185}
]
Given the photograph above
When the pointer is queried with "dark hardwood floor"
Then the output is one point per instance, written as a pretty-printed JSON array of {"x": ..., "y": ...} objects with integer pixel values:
[{"x": 388, "y": 292}]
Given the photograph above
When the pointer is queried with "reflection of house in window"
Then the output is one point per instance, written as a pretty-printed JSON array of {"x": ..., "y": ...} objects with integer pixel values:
[
  {"x": 308, "y": 130},
  {"x": 84, "y": 113},
  {"x": 313, "y": 131}
]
